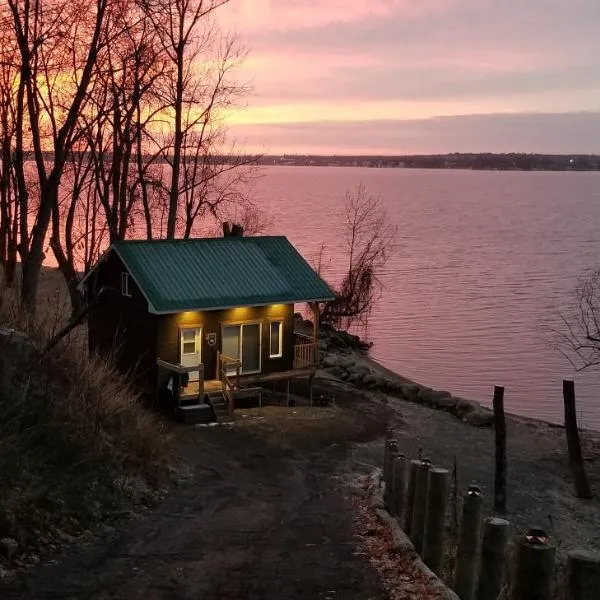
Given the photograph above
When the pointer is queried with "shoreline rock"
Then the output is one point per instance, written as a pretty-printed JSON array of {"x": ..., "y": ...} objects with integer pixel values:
[{"x": 345, "y": 357}]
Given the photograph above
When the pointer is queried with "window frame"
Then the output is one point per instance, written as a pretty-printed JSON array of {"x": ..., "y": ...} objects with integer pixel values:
[
  {"x": 279, "y": 322},
  {"x": 125, "y": 284},
  {"x": 241, "y": 324}
]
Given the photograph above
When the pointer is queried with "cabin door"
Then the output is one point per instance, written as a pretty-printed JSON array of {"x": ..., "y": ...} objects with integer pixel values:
[{"x": 191, "y": 349}]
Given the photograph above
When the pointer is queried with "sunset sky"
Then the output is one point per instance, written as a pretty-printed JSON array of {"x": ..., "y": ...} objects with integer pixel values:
[{"x": 403, "y": 76}]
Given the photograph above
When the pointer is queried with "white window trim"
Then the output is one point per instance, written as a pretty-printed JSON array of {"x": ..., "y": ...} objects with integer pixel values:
[
  {"x": 126, "y": 284},
  {"x": 280, "y": 351},
  {"x": 241, "y": 325},
  {"x": 197, "y": 341}
]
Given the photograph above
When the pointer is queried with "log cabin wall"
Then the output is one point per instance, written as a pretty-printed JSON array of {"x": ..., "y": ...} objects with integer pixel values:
[
  {"x": 122, "y": 324},
  {"x": 169, "y": 327}
]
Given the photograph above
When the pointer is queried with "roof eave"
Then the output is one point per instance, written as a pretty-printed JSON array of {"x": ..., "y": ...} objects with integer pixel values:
[{"x": 228, "y": 306}]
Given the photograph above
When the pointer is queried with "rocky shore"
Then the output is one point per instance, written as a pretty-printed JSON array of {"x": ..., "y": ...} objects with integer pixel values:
[
  {"x": 456, "y": 432},
  {"x": 345, "y": 357}
]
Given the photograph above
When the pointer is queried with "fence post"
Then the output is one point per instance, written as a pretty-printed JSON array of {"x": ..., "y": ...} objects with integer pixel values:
[
  {"x": 582, "y": 486},
  {"x": 468, "y": 544},
  {"x": 389, "y": 440},
  {"x": 388, "y": 472},
  {"x": 418, "y": 516},
  {"x": 500, "y": 431},
  {"x": 534, "y": 566},
  {"x": 410, "y": 494},
  {"x": 435, "y": 519},
  {"x": 493, "y": 558},
  {"x": 583, "y": 575},
  {"x": 399, "y": 490}
]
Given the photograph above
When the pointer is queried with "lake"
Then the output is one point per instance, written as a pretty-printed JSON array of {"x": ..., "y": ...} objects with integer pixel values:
[{"x": 484, "y": 263}]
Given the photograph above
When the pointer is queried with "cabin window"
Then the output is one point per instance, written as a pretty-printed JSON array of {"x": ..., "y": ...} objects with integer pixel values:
[
  {"x": 188, "y": 343},
  {"x": 125, "y": 284},
  {"x": 276, "y": 347}
]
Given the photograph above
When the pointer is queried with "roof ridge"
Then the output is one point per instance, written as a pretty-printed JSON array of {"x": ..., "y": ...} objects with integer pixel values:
[{"x": 190, "y": 240}]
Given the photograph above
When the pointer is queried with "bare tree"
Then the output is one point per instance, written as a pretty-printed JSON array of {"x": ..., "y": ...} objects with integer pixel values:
[
  {"x": 9, "y": 206},
  {"x": 59, "y": 43},
  {"x": 369, "y": 236},
  {"x": 578, "y": 337},
  {"x": 199, "y": 88}
]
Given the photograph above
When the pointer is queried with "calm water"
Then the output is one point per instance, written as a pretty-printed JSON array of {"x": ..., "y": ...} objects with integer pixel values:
[{"x": 484, "y": 262}]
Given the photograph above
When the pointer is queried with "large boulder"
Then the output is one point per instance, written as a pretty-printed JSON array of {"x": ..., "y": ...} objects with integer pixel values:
[
  {"x": 330, "y": 360},
  {"x": 369, "y": 380},
  {"x": 480, "y": 418},
  {"x": 361, "y": 370},
  {"x": 346, "y": 363},
  {"x": 411, "y": 391},
  {"x": 394, "y": 387},
  {"x": 463, "y": 407},
  {"x": 354, "y": 378},
  {"x": 445, "y": 401}
]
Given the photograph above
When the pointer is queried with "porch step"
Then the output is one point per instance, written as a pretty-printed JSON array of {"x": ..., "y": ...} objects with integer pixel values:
[
  {"x": 194, "y": 413},
  {"x": 217, "y": 401}
]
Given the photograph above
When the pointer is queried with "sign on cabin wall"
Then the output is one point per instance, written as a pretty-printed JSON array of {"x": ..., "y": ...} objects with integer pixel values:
[{"x": 211, "y": 339}]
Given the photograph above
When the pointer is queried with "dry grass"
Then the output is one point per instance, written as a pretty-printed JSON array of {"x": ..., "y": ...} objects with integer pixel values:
[{"x": 74, "y": 440}]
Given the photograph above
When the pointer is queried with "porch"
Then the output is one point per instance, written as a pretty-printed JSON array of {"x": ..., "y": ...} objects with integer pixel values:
[{"x": 194, "y": 399}]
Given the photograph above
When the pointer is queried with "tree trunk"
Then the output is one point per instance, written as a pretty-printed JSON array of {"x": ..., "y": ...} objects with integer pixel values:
[
  {"x": 177, "y": 144},
  {"x": 582, "y": 486}
]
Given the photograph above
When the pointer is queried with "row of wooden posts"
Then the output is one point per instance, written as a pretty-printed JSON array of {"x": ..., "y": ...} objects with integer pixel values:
[{"x": 417, "y": 494}]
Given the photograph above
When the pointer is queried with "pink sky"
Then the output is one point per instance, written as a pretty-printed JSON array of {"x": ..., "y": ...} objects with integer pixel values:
[{"x": 341, "y": 65}]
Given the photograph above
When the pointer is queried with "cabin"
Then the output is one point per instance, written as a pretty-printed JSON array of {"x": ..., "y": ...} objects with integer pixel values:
[{"x": 204, "y": 322}]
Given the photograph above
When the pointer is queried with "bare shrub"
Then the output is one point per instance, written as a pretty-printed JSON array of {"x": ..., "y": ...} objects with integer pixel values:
[
  {"x": 369, "y": 237},
  {"x": 72, "y": 432}
]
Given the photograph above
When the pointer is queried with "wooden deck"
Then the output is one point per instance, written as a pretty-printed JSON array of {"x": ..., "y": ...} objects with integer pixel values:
[{"x": 214, "y": 385}]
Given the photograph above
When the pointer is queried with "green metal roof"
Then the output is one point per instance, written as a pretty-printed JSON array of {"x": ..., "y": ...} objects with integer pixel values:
[{"x": 216, "y": 273}]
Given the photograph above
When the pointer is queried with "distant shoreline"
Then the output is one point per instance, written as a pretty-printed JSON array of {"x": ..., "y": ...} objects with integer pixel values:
[
  {"x": 485, "y": 161},
  {"x": 474, "y": 162}
]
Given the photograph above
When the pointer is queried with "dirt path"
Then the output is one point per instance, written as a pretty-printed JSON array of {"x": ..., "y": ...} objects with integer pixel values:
[{"x": 266, "y": 524}]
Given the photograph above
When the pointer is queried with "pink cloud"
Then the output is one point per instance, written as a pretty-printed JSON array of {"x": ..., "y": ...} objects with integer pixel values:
[{"x": 248, "y": 16}]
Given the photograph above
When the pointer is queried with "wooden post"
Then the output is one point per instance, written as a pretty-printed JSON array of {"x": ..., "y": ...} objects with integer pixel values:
[
  {"x": 468, "y": 544},
  {"x": 582, "y": 486},
  {"x": 218, "y": 365},
  {"x": 418, "y": 516},
  {"x": 583, "y": 575},
  {"x": 399, "y": 492},
  {"x": 237, "y": 375},
  {"x": 534, "y": 567},
  {"x": 410, "y": 494},
  {"x": 391, "y": 450},
  {"x": 316, "y": 316},
  {"x": 500, "y": 429},
  {"x": 200, "y": 383},
  {"x": 435, "y": 519},
  {"x": 388, "y": 496},
  {"x": 493, "y": 558}
]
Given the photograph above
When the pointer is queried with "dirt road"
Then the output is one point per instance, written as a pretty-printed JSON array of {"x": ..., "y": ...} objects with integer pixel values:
[{"x": 253, "y": 517}]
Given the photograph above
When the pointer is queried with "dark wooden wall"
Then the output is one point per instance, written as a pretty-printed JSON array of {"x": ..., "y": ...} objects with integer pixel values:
[
  {"x": 122, "y": 325},
  {"x": 168, "y": 328}
]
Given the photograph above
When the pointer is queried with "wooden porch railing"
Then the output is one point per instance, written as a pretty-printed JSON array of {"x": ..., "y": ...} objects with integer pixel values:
[
  {"x": 179, "y": 370},
  {"x": 228, "y": 387},
  {"x": 306, "y": 351}
]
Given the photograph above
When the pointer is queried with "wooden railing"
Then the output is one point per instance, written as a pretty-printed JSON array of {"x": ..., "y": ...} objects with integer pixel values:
[
  {"x": 178, "y": 371},
  {"x": 224, "y": 365},
  {"x": 306, "y": 351}
]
